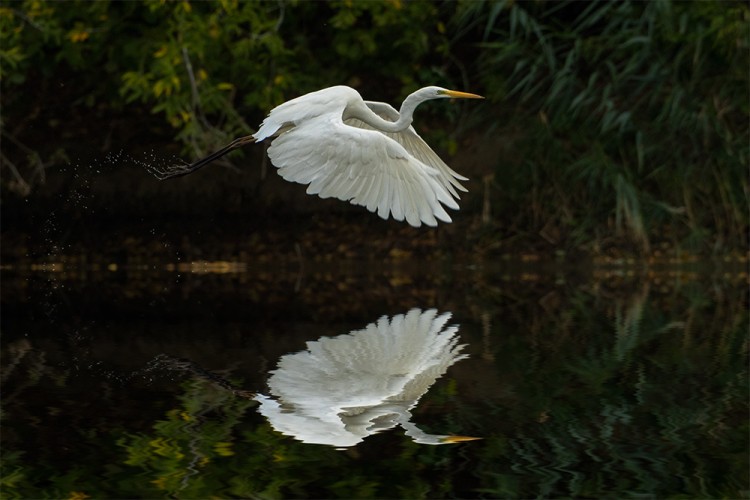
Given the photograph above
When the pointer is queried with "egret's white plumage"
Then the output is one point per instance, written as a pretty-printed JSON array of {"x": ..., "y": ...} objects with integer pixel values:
[
  {"x": 343, "y": 389},
  {"x": 359, "y": 151}
]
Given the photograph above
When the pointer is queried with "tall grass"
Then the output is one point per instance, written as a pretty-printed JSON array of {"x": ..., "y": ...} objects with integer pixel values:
[{"x": 635, "y": 115}]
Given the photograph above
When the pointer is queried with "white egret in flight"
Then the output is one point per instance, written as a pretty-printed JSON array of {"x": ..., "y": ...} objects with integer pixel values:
[
  {"x": 345, "y": 388},
  {"x": 359, "y": 151}
]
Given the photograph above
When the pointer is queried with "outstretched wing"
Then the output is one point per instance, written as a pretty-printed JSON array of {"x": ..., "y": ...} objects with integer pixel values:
[
  {"x": 365, "y": 167},
  {"x": 414, "y": 144}
]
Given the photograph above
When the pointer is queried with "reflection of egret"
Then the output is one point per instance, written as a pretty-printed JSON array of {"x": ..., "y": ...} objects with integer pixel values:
[
  {"x": 359, "y": 151},
  {"x": 342, "y": 389}
]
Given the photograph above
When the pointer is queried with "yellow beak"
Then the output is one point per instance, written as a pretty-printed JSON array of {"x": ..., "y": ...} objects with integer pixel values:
[
  {"x": 459, "y": 439},
  {"x": 462, "y": 95}
]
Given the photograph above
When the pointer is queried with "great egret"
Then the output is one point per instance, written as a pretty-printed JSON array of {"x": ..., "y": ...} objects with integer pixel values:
[
  {"x": 345, "y": 388},
  {"x": 359, "y": 151}
]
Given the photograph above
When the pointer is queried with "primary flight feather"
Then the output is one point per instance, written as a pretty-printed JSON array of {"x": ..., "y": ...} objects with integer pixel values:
[{"x": 359, "y": 151}]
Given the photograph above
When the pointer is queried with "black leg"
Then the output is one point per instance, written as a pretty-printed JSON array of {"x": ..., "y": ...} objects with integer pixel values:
[{"x": 171, "y": 171}]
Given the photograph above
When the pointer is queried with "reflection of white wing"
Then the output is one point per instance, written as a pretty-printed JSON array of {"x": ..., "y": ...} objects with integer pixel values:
[{"x": 342, "y": 389}]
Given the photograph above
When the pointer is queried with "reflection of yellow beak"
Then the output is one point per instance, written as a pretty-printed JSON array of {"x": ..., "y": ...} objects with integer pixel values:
[
  {"x": 458, "y": 439},
  {"x": 462, "y": 95}
]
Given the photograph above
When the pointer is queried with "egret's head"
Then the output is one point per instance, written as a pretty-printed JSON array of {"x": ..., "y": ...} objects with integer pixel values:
[
  {"x": 439, "y": 92},
  {"x": 423, "y": 438},
  {"x": 425, "y": 94}
]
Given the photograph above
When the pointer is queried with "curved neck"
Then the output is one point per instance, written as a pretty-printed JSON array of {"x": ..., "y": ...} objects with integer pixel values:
[
  {"x": 403, "y": 418},
  {"x": 418, "y": 435},
  {"x": 406, "y": 113}
]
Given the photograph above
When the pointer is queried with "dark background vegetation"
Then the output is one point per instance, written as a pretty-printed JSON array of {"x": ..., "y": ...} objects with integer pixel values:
[
  {"x": 610, "y": 127},
  {"x": 613, "y": 130}
]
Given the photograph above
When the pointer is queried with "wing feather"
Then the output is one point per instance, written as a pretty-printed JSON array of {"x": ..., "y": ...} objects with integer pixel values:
[
  {"x": 305, "y": 107},
  {"x": 415, "y": 145},
  {"x": 365, "y": 167}
]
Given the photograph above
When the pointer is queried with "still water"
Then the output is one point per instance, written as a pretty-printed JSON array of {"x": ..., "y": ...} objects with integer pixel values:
[{"x": 227, "y": 379}]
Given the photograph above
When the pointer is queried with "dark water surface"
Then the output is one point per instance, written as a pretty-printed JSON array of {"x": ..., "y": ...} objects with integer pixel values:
[{"x": 210, "y": 380}]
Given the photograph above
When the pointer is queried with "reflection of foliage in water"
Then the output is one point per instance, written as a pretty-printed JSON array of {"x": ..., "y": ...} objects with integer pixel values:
[
  {"x": 191, "y": 454},
  {"x": 658, "y": 409},
  {"x": 204, "y": 447},
  {"x": 644, "y": 395}
]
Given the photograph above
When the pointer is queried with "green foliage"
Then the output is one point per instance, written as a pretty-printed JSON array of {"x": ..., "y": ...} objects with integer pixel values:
[
  {"x": 205, "y": 65},
  {"x": 194, "y": 59},
  {"x": 12, "y": 473},
  {"x": 635, "y": 112},
  {"x": 625, "y": 121}
]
